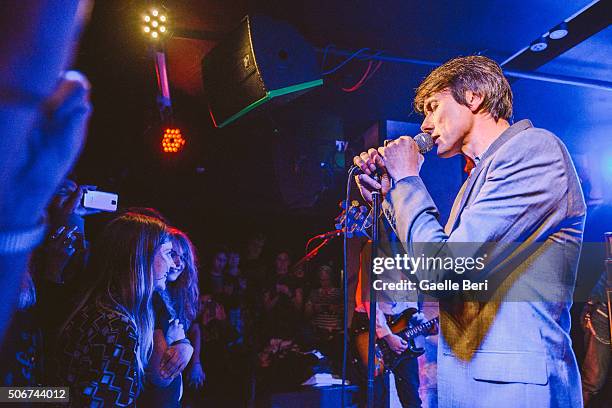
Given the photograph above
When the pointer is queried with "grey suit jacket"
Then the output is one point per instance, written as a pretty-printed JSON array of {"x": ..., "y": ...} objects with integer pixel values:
[{"x": 514, "y": 349}]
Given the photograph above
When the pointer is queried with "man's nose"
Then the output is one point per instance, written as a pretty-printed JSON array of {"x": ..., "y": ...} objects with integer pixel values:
[{"x": 427, "y": 125}]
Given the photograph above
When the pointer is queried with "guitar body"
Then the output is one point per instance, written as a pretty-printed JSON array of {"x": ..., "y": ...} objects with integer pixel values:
[{"x": 385, "y": 358}]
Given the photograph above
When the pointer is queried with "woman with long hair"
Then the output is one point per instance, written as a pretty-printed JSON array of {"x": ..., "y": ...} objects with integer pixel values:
[
  {"x": 182, "y": 282},
  {"x": 107, "y": 341},
  {"x": 184, "y": 294},
  {"x": 177, "y": 303}
]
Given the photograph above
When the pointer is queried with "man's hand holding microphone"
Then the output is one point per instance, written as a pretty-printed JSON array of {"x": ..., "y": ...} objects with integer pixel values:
[{"x": 398, "y": 159}]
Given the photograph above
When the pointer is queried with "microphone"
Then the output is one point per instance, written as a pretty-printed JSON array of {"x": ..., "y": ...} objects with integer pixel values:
[
  {"x": 329, "y": 234},
  {"x": 424, "y": 142}
]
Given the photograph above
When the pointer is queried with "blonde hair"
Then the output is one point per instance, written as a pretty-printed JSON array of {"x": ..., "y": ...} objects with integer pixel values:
[
  {"x": 475, "y": 73},
  {"x": 121, "y": 263}
]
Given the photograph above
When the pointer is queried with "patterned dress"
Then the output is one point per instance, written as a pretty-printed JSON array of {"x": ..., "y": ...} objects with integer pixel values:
[{"x": 97, "y": 354}]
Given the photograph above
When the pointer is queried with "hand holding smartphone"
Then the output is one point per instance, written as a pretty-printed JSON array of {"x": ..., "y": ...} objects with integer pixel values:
[{"x": 100, "y": 200}]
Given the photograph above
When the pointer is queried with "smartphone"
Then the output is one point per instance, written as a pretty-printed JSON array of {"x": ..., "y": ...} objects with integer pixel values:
[{"x": 100, "y": 200}]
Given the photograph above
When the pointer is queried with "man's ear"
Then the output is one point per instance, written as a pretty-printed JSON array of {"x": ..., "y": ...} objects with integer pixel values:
[{"x": 473, "y": 100}]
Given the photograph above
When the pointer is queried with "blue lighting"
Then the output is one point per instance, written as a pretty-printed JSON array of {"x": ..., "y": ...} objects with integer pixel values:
[{"x": 607, "y": 166}]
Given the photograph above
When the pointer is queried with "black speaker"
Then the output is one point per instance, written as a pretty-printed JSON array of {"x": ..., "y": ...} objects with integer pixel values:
[{"x": 260, "y": 61}]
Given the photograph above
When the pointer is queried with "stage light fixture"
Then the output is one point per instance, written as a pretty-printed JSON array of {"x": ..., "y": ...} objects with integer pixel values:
[
  {"x": 559, "y": 31},
  {"x": 173, "y": 140},
  {"x": 155, "y": 24},
  {"x": 539, "y": 45}
]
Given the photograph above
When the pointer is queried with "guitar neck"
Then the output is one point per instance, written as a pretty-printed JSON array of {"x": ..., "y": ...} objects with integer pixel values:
[{"x": 415, "y": 331}]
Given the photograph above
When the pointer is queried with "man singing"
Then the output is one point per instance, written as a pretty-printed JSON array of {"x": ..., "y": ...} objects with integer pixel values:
[{"x": 512, "y": 349}]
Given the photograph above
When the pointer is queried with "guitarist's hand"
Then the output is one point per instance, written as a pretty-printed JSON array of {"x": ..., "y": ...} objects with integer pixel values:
[
  {"x": 434, "y": 330},
  {"x": 396, "y": 343},
  {"x": 419, "y": 318}
]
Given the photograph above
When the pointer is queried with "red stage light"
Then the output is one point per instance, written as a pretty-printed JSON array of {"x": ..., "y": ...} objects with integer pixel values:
[{"x": 173, "y": 140}]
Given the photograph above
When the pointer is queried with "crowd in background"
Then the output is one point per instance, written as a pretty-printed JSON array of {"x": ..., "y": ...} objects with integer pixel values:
[
  {"x": 137, "y": 316},
  {"x": 261, "y": 317}
]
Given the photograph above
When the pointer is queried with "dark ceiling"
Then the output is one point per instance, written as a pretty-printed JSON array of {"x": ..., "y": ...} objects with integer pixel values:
[{"x": 228, "y": 177}]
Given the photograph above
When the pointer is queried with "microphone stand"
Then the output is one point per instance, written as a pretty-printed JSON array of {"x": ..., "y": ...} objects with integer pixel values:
[
  {"x": 328, "y": 236},
  {"x": 372, "y": 332}
]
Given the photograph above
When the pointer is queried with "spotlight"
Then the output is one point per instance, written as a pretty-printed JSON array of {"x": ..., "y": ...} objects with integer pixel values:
[
  {"x": 539, "y": 45},
  {"x": 559, "y": 31},
  {"x": 173, "y": 140},
  {"x": 155, "y": 23}
]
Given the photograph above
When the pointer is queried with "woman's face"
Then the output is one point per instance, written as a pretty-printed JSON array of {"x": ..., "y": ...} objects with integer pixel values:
[
  {"x": 325, "y": 278},
  {"x": 219, "y": 261},
  {"x": 234, "y": 259},
  {"x": 282, "y": 262},
  {"x": 162, "y": 262},
  {"x": 178, "y": 257},
  {"x": 298, "y": 271}
]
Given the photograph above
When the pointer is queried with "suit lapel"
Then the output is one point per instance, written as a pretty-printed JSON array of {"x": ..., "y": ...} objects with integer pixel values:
[{"x": 467, "y": 187}]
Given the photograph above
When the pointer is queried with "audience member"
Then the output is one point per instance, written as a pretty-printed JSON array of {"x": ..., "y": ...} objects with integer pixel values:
[
  {"x": 301, "y": 279},
  {"x": 175, "y": 310},
  {"x": 212, "y": 281},
  {"x": 282, "y": 302},
  {"x": 253, "y": 263},
  {"x": 107, "y": 342},
  {"x": 184, "y": 294},
  {"x": 253, "y": 268},
  {"x": 234, "y": 289},
  {"x": 25, "y": 350},
  {"x": 43, "y": 117},
  {"x": 218, "y": 336},
  {"x": 324, "y": 310}
]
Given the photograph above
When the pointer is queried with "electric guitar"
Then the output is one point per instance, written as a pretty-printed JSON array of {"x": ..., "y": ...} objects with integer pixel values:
[
  {"x": 354, "y": 217},
  {"x": 384, "y": 357}
]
